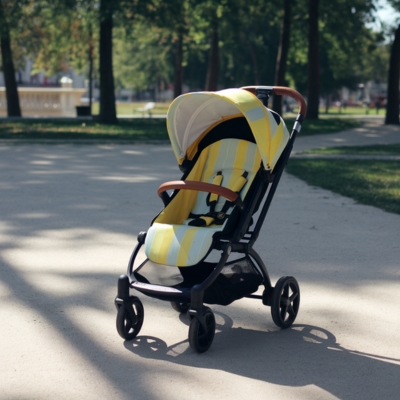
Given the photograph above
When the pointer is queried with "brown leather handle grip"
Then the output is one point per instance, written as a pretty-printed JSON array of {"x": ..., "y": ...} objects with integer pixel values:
[
  {"x": 283, "y": 91},
  {"x": 200, "y": 186}
]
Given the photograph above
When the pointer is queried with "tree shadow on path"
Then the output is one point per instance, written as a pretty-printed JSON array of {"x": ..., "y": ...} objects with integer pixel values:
[{"x": 299, "y": 356}]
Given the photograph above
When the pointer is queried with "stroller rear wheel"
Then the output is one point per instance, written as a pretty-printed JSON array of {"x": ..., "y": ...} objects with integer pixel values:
[
  {"x": 285, "y": 301},
  {"x": 180, "y": 307},
  {"x": 200, "y": 339},
  {"x": 130, "y": 318}
]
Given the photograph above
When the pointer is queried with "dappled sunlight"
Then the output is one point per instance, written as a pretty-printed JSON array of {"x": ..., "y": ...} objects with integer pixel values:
[
  {"x": 34, "y": 215},
  {"x": 41, "y": 162},
  {"x": 134, "y": 152},
  {"x": 308, "y": 354},
  {"x": 127, "y": 179},
  {"x": 67, "y": 250},
  {"x": 48, "y": 349},
  {"x": 32, "y": 182},
  {"x": 91, "y": 321},
  {"x": 59, "y": 285},
  {"x": 64, "y": 244}
]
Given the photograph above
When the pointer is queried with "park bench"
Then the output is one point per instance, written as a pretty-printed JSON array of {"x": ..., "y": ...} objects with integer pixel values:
[{"x": 146, "y": 109}]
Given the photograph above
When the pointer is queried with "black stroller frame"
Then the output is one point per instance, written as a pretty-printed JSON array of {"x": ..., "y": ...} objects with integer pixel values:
[{"x": 283, "y": 298}]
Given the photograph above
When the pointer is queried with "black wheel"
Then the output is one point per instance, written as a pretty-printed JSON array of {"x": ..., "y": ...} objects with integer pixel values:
[
  {"x": 199, "y": 339},
  {"x": 180, "y": 307},
  {"x": 285, "y": 301},
  {"x": 130, "y": 318}
]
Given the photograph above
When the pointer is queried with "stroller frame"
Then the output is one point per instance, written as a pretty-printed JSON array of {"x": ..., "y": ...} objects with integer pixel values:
[{"x": 283, "y": 298}]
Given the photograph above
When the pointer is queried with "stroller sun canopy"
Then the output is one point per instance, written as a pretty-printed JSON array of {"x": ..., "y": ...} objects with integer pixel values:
[{"x": 191, "y": 116}]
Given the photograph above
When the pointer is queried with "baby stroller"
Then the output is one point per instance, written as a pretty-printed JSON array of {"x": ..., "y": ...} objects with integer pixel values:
[{"x": 232, "y": 151}]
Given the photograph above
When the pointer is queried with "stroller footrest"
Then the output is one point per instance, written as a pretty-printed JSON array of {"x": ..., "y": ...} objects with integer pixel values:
[{"x": 162, "y": 292}]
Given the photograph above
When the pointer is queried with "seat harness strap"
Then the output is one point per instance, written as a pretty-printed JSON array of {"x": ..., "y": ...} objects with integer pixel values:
[{"x": 218, "y": 217}]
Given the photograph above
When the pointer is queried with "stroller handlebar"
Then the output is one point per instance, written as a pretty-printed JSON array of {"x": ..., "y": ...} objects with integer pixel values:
[{"x": 282, "y": 91}]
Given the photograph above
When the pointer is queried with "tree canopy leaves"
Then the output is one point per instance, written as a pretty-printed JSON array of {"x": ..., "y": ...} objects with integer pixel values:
[{"x": 151, "y": 39}]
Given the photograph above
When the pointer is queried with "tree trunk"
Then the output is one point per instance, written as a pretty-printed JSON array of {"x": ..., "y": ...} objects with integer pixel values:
[
  {"x": 327, "y": 104},
  {"x": 178, "y": 66},
  {"x": 108, "y": 114},
  {"x": 313, "y": 62},
  {"x": 283, "y": 50},
  {"x": 213, "y": 62},
  {"x": 13, "y": 108},
  {"x": 393, "y": 94},
  {"x": 256, "y": 69},
  {"x": 91, "y": 57}
]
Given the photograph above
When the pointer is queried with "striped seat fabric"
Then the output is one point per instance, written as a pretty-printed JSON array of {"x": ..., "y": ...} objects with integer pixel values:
[{"x": 171, "y": 240}]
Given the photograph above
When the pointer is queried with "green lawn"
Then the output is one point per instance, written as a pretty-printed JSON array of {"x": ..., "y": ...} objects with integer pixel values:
[
  {"x": 371, "y": 182},
  {"x": 128, "y": 108},
  {"x": 135, "y": 129},
  {"x": 324, "y": 125},
  {"x": 393, "y": 149},
  {"x": 353, "y": 111}
]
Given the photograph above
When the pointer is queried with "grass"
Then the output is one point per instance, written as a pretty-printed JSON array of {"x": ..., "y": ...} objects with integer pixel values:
[
  {"x": 324, "y": 125},
  {"x": 135, "y": 129},
  {"x": 378, "y": 150},
  {"x": 375, "y": 183},
  {"x": 353, "y": 111},
  {"x": 129, "y": 108}
]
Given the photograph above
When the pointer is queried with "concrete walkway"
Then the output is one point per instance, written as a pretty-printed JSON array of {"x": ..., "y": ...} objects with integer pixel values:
[
  {"x": 372, "y": 131},
  {"x": 69, "y": 216}
]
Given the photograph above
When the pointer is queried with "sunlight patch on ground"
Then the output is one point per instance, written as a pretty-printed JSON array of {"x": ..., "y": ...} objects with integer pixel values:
[
  {"x": 70, "y": 250},
  {"x": 126, "y": 179}
]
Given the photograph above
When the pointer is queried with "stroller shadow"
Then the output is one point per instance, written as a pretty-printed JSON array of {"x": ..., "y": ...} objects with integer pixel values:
[{"x": 299, "y": 356}]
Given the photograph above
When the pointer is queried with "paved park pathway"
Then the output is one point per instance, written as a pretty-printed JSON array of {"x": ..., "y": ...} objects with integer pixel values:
[{"x": 69, "y": 216}]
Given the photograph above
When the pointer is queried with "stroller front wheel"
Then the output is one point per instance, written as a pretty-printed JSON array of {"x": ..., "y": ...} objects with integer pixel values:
[
  {"x": 130, "y": 318},
  {"x": 200, "y": 339},
  {"x": 180, "y": 307},
  {"x": 285, "y": 301}
]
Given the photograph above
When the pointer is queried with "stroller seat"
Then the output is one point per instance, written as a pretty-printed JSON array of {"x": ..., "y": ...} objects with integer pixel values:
[{"x": 182, "y": 234}]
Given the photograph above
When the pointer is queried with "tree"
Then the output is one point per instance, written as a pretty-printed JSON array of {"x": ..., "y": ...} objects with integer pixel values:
[
  {"x": 178, "y": 76},
  {"x": 144, "y": 56},
  {"x": 213, "y": 59},
  {"x": 281, "y": 60},
  {"x": 210, "y": 12},
  {"x": 313, "y": 61},
  {"x": 393, "y": 95},
  {"x": 108, "y": 113},
  {"x": 216, "y": 20},
  {"x": 8, "y": 15},
  {"x": 335, "y": 35},
  {"x": 172, "y": 16}
]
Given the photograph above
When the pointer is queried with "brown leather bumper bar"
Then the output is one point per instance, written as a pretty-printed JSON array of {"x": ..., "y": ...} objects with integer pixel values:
[{"x": 202, "y": 187}]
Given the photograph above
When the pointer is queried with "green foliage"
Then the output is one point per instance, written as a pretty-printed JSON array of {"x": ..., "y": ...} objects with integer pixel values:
[
  {"x": 58, "y": 34},
  {"x": 344, "y": 42},
  {"x": 68, "y": 28},
  {"x": 395, "y": 4},
  {"x": 21, "y": 22},
  {"x": 142, "y": 57}
]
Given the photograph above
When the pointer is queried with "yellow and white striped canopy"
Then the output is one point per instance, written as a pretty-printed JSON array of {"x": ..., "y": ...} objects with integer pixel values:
[{"x": 192, "y": 115}]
